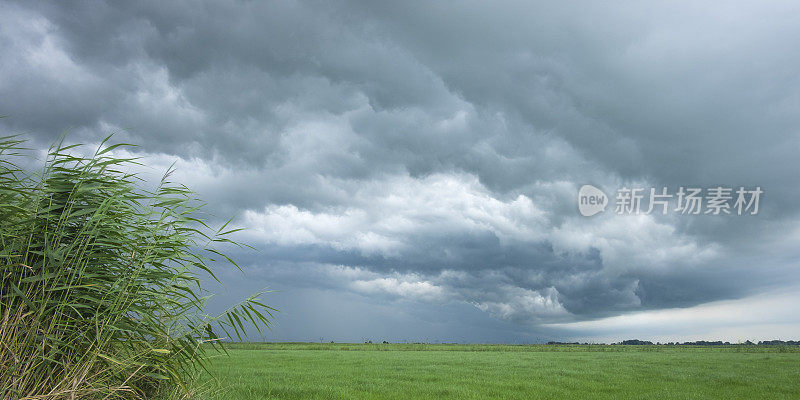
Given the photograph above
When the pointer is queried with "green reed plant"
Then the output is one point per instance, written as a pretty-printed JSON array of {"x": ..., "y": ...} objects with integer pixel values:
[{"x": 99, "y": 280}]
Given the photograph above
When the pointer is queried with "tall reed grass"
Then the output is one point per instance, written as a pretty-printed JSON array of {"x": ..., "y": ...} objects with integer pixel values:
[{"x": 100, "y": 293}]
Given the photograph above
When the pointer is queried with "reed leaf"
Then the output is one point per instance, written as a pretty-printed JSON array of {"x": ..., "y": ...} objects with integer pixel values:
[{"x": 99, "y": 280}]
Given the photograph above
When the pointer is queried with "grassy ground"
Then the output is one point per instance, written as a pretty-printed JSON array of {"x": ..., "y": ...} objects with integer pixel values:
[{"x": 401, "y": 371}]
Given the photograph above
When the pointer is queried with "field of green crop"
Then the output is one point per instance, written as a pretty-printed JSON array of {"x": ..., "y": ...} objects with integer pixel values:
[{"x": 411, "y": 371}]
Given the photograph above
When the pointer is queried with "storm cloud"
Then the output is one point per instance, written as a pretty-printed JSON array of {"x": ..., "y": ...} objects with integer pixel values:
[{"x": 416, "y": 164}]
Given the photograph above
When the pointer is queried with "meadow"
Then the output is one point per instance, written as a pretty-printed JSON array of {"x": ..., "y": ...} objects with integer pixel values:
[{"x": 456, "y": 371}]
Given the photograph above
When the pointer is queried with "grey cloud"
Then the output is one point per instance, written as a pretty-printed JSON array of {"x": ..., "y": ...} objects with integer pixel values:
[{"x": 350, "y": 109}]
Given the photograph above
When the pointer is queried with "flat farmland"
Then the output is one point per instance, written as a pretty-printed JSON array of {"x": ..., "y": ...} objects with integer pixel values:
[{"x": 454, "y": 371}]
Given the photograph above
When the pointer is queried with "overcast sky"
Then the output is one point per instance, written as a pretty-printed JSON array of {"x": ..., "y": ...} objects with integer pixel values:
[{"x": 409, "y": 170}]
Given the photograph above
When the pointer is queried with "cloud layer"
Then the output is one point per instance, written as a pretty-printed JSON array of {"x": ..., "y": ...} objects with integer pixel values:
[{"x": 424, "y": 158}]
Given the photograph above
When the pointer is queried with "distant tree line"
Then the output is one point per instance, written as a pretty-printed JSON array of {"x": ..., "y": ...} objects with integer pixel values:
[{"x": 637, "y": 342}]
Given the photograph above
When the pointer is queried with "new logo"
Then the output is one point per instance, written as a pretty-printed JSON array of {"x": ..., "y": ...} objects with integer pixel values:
[{"x": 591, "y": 200}]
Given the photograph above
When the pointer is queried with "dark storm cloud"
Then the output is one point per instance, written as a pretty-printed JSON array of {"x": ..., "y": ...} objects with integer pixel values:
[{"x": 436, "y": 150}]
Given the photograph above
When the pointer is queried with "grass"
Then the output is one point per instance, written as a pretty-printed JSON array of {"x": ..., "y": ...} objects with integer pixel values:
[{"x": 409, "y": 371}]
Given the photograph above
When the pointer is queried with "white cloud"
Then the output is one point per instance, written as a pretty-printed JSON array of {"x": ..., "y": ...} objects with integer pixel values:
[
  {"x": 632, "y": 242},
  {"x": 759, "y": 317},
  {"x": 411, "y": 289},
  {"x": 386, "y": 213},
  {"x": 524, "y": 304}
]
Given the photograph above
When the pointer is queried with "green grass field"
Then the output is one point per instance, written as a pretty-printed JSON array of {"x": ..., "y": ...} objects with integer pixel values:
[{"x": 411, "y": 371}]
